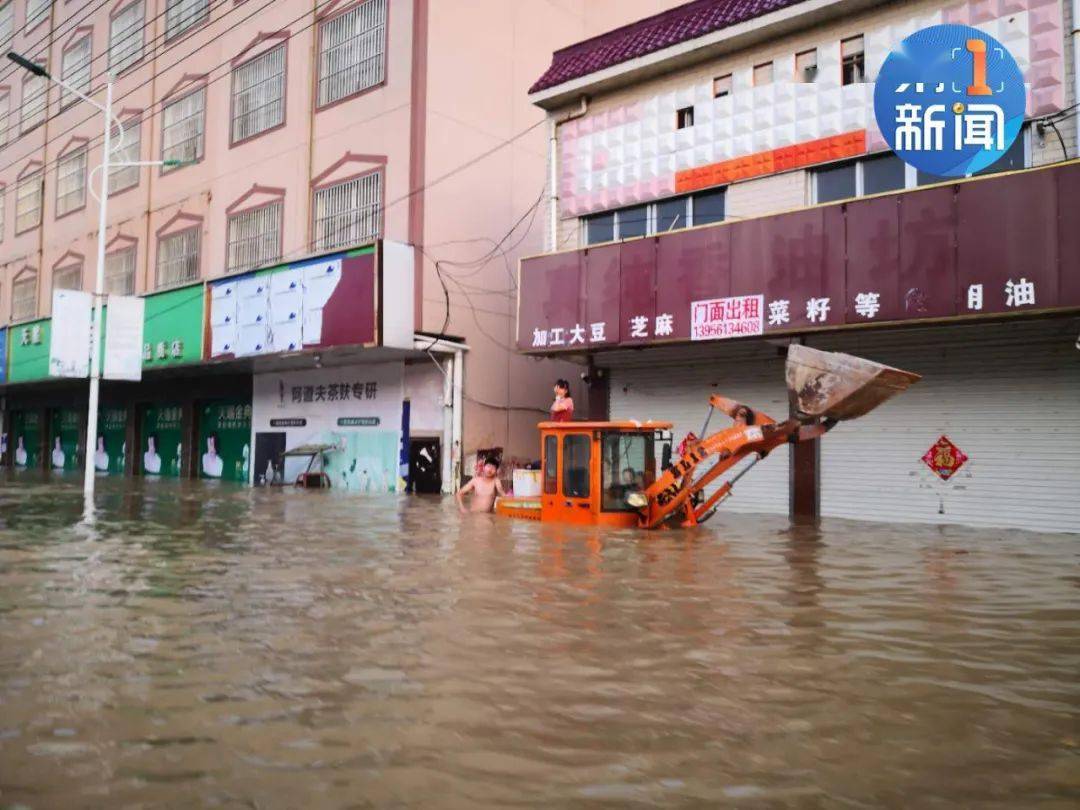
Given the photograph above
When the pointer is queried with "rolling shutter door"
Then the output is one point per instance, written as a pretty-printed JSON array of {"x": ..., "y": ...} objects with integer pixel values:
[
  {"x": 1008, "y": 395},
  {"x": 674, "y": 384}
]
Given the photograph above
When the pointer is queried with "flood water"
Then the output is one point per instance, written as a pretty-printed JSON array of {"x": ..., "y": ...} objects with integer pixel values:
[{"x": 226, "y": 647}]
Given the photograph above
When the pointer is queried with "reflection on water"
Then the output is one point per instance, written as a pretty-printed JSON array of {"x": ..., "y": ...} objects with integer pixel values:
[{"x": 217, "y": 646}]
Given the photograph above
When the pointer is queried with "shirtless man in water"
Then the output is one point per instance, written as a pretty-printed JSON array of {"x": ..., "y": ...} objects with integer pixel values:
[{"x": 484, "y": 488}]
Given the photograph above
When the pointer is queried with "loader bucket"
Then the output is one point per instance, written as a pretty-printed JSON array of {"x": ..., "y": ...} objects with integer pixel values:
[{"x": 840, "y": 386}]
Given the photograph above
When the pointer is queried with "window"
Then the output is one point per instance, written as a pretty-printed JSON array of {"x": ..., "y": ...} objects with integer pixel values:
[
  {"x": 576, "y": 454},
  {"x": 34, "y": 99},
  {"x": 806, "y": 66},
  {"x": 551, "y": 465},
  {"x": 763, "y": 74},
  {"x": 351, "y": 51},
  {"x": 883, "y": 173},
  {"x": 258, "y": 94},
  {"x": 721, "y": 86},
  {"x": 700, "y": 208},
  {"x": 255, "y": 238},
  {"x": 835, "y": 183},
  {"x": 67, "y": 278},
  {"x": 181, "y": 15},
  {"x": 120, "y": 272},
  {"x": 7, "y": 23},
  {"x": 684, "y": 118},
  {"x": 71, "y": 182},
  {"x": 1015, "y": 157},
  {"x": 5, "y": 116},
  {"x": 852, "y": 60},
  {"x": 348, "y": 213},
  {"x": 75, "y": 68},
  {"x": 28, "y": 196},
  {"x": 24, "y": 297},
  {"x": 37, "y": 11},
  {"x": 183, "y": 125},
  {"x": 126, "y": 36},
  {"x": 178, "y": 257},
  {"x": 627, "y": 467},
  {"x": 123, "y": 177}
]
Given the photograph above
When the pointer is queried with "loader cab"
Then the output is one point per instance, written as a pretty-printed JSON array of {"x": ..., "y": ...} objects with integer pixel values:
[{"x": 589, "y": 469}]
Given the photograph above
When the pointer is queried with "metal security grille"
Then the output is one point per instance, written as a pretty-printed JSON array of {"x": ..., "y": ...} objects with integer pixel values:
[
  {"x": 120, "y": 272},
  {"x": 258, "y": 94},
  {"x": 351, "y": 51},
  {"x": 71, "y": 182},
  {"x": 5, "y": 117},
  {"x": 28, "y": 202},
  {"x": 183, "y": 127},
  {"x": 255, "y": 238},
  {"x": 34, "y": 100},
  {"x": 347, "y": 213},
  {"x": 178, "y": 258},
  {"x": 36, "y": 11},
  {"x": 68, "y": 278},
  {"x": 122, "y": 177},
  {"x": 75, "y": 68},
  {"x": 126, "y": 36},
  {"x": 180, "y": 15},
  {"x": 7, "y": 23},
  {"x": 24, "y": 298}
]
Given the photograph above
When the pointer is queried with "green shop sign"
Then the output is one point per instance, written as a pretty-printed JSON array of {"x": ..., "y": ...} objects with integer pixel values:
[
  {"x": 109, "y": 457},
  {"x": 25, "y": 438},
  {"x": 28, "y": 351},
  {"x": 162, "y": 439},
  {"x": 225, "y": 440},
  {"x": 173, "y": 327},
  {"x": 64, "y": 439}
]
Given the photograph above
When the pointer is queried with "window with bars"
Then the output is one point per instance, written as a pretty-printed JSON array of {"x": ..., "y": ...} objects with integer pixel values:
[
  {"x": 351, "y": 51},
  {"x": 347, "y": 213},
  {"x": 28, "y": 196},
  {"x": 67, "y": 278},
  {"x": 71, "y": 182},
  {"x": 5, "y": 117},
  {"x": 258, "y": 94},
  {"x": 183, "y": 127},
  {"x": 24, "y": 297},
  {"x": 123, "y": 177},
  {"x": 35, "y": 89},
  {"x": 181, "y": 15},
  {"x": 37, "y": 11},
  {"x": 120, "y": 272},
  {"x": 255, "y": 238},
  {"x": 7, "y": 23},
  {"x": 178, "y": 257},
  {"x": 126, "y": 36},
  {"x": 75, "y": 70}
]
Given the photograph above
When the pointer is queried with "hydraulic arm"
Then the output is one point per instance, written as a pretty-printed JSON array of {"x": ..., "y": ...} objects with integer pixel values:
[{"x": 679, "y": 492}]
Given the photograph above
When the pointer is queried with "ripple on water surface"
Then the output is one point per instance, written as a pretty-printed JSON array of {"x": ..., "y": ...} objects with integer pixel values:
[{"x": 244, "y": 648}]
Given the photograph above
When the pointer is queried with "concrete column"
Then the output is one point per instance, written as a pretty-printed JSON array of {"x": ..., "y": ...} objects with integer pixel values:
[{"x": 804, "y": 477}]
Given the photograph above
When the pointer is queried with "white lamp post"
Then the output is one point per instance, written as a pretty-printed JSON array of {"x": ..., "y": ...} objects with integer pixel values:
[{"x": 89, "y": 472}]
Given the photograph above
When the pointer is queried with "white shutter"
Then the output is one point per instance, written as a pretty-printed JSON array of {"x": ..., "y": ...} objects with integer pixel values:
[
  {"x": 1008, "y": 395},
  {"x": 673, "y": 384}
]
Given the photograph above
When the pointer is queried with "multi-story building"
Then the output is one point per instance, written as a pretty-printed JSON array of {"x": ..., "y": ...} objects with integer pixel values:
[
  {"x": 726, "y": 150},
  {"x": 349, "y": 185}
]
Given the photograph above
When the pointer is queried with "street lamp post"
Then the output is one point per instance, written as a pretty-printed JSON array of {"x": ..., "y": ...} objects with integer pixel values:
[{"x": 89, "y": 472}]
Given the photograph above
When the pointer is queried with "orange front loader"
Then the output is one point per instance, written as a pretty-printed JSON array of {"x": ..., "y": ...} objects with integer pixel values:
[{"x": 605, "y": 473}]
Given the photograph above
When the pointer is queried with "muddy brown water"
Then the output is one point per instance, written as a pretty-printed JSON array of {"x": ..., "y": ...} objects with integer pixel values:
[{"x": 225, "y": 647}]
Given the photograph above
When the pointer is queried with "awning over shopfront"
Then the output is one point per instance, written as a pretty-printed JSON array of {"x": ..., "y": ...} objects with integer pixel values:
[{"x": 981, "y": 248}]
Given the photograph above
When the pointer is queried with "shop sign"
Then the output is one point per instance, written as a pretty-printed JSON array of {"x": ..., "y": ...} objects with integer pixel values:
[
  {"x": 358, "y": 421},
  {"x": 944, "y": 458},
  {"x": 173, "y": 327},
  {"x": 284, "y": 423},
  {"x": 737, "y": 316}
]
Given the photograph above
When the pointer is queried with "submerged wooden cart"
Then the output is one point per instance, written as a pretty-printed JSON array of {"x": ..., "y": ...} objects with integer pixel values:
[{"x": 623, "y": 473}]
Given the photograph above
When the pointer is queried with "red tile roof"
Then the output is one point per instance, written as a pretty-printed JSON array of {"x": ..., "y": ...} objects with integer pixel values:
[{"x": 655, "y": 33}]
